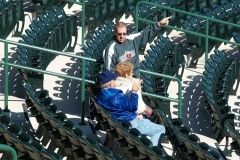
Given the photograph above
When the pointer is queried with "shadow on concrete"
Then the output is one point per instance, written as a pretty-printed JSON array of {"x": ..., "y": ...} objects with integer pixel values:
[
  {"x": 15, "y": 79},
  {"x": 195, "y": 114},
  {"x": 70, "y": 91}
]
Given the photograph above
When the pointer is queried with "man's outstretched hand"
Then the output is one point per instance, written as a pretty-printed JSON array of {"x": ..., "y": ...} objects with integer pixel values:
[{"x": 164, "y": 21}]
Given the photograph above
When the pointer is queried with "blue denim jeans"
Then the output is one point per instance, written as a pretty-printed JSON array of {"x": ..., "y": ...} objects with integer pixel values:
[{"x": 145, "y": 126}]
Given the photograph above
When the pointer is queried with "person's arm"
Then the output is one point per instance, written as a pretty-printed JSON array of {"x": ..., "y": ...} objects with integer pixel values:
[
  {"x": 129, "y": 103},
  {"x": 125, "y": 102},
  {"x": 109, "y": 57},
  {"x": 147, "y": 33}
]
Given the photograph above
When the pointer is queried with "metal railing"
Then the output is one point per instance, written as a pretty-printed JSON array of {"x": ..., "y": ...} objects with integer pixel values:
[
  {"x": 206, "y": 35},
  {"x": 83, "y": 80},
  {"x": 6, "y": 64},
  {"x": 10, "y": 150},
  {"x": 178, "y": 100}
]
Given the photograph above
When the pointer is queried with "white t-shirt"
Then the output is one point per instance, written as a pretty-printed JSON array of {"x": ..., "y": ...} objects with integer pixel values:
[{"x": 125, "y": 85}]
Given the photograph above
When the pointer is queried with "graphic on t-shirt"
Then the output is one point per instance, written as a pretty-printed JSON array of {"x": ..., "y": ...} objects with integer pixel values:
[{"x": 127, "y": 55}]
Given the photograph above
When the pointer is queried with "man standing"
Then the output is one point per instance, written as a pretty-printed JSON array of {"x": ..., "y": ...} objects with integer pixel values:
[{"x": 126, "y": 47}]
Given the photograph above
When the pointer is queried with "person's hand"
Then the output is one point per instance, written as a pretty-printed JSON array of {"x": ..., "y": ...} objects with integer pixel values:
[
  {"x": 164, "y": 21},
  {"x": 148, "y": 111},
  {"x": 136, "y": 85}
]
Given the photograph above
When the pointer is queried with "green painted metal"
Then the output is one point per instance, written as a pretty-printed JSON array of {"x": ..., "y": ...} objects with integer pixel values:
[
  {"x": 83, "y": 93},
  {"x": 5, "y": 78},
  {"x": 9, "y": 149},
  {"x": 179, "y": 99},
  {"x": 183, "y": 30},
  {"x": 83, "y": 66},
  {"x": 69, "y": 54},
  {"x": 206, "y": 40},
  {"x": 47, "y": 72},
  {"x": 206, "y": 36}
]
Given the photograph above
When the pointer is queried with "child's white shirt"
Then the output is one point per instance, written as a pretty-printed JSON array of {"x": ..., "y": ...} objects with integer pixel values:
[{"x": 125, "y": 85}]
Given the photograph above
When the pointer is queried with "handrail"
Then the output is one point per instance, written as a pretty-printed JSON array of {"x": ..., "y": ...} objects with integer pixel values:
[
  {"x": 69, "y": 54},
  {"x": 83, "y": 16},
  {"x": 10, "y": 150},
  {"x": 206, "y": 35},
  {"x": 179, "y": 99}
]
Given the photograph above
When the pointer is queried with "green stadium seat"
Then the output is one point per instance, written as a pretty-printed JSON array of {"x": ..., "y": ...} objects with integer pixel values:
[
  {"x": 236, "y": 37},
  {"x": 51, "y": 108},
  {"x": 59, "y": 128},
  {"x": 19, "y": 16},
  {"x": 217, "y": 91},
  {"x": 231, "y": 75},
  {"x": 214, "y": 153},
  {"x": 177, "y": 122},
  {"x": 14, "y": 128},
  {"x": 130, "y": 137},
  {"x": 11, "y": 12},
  {"x": 22, "y": 142},
  {"x": 184, "y": 129},
  {"x": 93, "y": 10},
  {"x": 4, "y": 120},
  {"x": 121, "y": 5}
]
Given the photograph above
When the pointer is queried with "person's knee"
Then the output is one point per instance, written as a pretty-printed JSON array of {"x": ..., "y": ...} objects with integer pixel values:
[{"x": 161, "y": 129}]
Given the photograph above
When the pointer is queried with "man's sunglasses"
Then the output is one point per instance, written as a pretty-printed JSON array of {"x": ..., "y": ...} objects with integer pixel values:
[{"x": 119, "y": 34}]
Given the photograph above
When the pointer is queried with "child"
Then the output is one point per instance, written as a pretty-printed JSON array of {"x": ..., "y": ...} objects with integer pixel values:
[{"x": 125, "y": 80}]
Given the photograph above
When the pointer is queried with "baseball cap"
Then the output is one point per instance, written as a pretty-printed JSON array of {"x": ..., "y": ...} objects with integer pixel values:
[{"x": 107, "y": 76}]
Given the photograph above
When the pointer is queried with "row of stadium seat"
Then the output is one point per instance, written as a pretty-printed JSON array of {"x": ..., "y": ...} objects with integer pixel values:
[
  {"x": 232, "y": 73},
  {"x": 185, "y": 144},
  {"x": 166, "y": 58},
  {"x": 151, "y": 12},
  {"x": 219, "y": 77},
  {"x": 236, "y": 37},
  {"x": 197, "y": 5},
  {"x": 235, "y": 144},
  {"x": 55, "y": 126},
  {"x": 95, "y": 45},
  {"x": 53, "y": 30},
  {"x": 45, "y": 2},
  {"x": 225, "y": 10},
  {"x": 27, "y": 147},
  {"x": 126, "y": 141},
  {"x": 42, "y": 5},
  {"x": 98, "y": 11},
  {"x": 93, "y": 48},
  {"x": 11, "y": 13}
]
